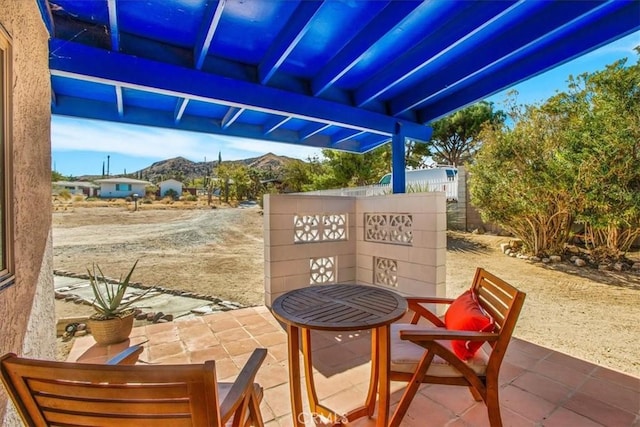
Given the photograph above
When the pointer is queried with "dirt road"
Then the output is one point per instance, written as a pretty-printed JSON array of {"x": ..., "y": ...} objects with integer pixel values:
[{"x": 587, "y": 313}]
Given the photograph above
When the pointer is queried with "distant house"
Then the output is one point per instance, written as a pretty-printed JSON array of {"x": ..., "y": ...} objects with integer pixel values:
[
  {"x": 121, "y": 187},
  {"x": 88, "y": 189},
  {"x": 170, "y": 184}
]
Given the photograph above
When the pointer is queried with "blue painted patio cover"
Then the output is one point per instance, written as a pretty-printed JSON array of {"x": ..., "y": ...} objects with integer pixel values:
[{"x": 345, "y": 75}]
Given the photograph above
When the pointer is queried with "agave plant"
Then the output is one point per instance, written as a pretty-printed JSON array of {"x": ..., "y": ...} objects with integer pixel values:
[{"x": 108, "y": 296}]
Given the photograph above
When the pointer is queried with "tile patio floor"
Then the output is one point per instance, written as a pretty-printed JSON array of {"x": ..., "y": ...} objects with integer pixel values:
[{"x": 540, "y": 387}]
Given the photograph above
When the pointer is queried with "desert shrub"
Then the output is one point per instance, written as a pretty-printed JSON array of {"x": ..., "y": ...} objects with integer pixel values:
[
  {"x": 64, "y": 194},
  {"x": 188, "y": 197},
  {"x": 167, "y": 200},
  {"x": 173, "y": 194},
  {"x": 146, "y": 201},
  {"x": 78, "y": 198}
]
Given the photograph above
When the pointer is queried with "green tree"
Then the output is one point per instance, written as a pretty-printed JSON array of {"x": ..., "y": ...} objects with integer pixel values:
[
  {"x": 574, "y": 158},
  {"x": 520, "y": 181},
  {"x": 351, "y": 170},
  {"x": 602, "y": 112},
  {"x": 56, "y": 176},
  {"x": 455, "y": 138}
]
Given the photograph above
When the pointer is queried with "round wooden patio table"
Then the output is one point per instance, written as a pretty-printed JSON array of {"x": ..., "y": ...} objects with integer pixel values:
[{"x": 339, "y": 307}]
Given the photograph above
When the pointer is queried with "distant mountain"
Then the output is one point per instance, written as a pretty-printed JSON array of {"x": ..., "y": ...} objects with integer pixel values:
[{"x": 181, "y": 167}]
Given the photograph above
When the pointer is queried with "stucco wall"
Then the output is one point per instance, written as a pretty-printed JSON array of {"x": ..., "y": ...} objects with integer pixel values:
[{"x": 27, "y": 310}]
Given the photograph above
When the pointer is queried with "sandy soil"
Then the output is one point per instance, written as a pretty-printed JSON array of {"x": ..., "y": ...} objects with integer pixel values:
[{"x": 589, "y": 314}]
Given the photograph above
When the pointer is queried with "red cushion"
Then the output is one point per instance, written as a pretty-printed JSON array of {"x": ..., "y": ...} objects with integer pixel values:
[{"x": 465, "y": 314}]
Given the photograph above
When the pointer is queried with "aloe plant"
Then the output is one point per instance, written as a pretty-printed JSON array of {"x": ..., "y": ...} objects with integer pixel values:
[{"x": 108, "y": 296}]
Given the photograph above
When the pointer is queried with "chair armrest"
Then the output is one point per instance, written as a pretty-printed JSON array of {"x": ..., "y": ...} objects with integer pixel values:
[
  {"x": 243, "y": 384},
  {"x": 440, "y": 334},
  {"x": 128, "y": 356},
  {"x": 419, "y": 310}
]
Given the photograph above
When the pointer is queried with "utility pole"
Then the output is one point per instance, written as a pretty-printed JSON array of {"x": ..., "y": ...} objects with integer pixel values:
[{"x": 108, "y": 158}]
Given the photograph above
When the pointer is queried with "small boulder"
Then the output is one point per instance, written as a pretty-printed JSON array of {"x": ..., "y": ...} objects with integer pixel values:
[{"x": 580, "y": 262}]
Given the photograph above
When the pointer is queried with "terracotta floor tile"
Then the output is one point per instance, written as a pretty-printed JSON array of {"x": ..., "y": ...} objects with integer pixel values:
[
  {"x": 223, "y": 324},
  {"x": 279, "y": 352},
  {"x": 226, "y": 370},
  {"x": 565, "y": 418},
  {"x": 613, "y": 394},
  {"x": 599, "y": 411},
  {"x": 455, "y": 398},
  {"x": 160, "y": 351},
  {"x": 561, "y": 373},
  {"x": 271, "y": 338},
  {"x": 271, "y": 375},
  {"x": 424, "y": 411},
  {"x": 616, "y": 377},
  {"x": 262, "y": 327},
  {"x": 278, "y": 400},
  {"x": 232, "y": 335},
  {"x": 242, "y": 346},
  {"x": 524, "y": 403},
  {"x": 549, "y": 390},
  {"x": 529, "y": 348},
  {"x": 216, "y": 353},
  {"x": 344, "y": 400},
  {"x": 509, "y": 372},
  {"x": 572, "y": 362}
]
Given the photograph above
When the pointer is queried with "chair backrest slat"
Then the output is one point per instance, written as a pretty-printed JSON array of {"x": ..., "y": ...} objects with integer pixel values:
[{"x": 86, "y": 394}]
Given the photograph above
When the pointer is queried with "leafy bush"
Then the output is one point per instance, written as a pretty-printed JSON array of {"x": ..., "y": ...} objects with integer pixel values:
[{"x": 171, "y": 193}]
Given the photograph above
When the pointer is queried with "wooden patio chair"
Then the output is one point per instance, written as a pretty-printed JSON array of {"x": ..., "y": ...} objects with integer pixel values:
[
  {"x": 60, "y": 393},
  {"x": 500, "y": 303}
]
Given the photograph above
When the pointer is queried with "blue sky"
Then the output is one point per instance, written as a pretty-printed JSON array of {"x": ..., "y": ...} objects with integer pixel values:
[{"x": 80, "y": 146}]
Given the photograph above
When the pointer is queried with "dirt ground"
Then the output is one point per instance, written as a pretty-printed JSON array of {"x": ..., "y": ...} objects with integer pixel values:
[{"x": 589, "y": 314}]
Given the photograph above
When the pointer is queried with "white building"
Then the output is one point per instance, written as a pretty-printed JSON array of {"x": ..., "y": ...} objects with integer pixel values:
[
  {"x": 170, "y": 184},
  {"x": 88, "y": 189},
  {"x": 121, "y": 187}
]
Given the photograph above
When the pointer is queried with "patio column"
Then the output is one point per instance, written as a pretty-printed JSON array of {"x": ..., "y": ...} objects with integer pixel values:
[{"x": 397, "y": 160}]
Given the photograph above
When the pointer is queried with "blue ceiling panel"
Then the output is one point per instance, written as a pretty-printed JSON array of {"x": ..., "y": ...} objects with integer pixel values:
[
  {"x": 340, "y": 74},
  {"x": 156, "y": 20},
  {"x": 247, "y": 29},
  {"x": 206, "y": 109},
  {"x": 152, "y": 101},
  {"x": 90, "y": 90}
]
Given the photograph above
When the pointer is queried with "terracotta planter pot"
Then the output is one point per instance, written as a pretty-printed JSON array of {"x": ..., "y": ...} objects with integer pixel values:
[{"x": 111, "y": 331}]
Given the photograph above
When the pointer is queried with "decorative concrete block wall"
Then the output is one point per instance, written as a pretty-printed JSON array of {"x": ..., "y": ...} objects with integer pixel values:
[
  {"x": 308, "y": 240},
  {"x": 395, "y": 241}
]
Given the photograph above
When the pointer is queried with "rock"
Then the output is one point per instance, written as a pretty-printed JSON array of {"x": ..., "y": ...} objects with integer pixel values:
[
  {"x": 161, "y": 321},
  {"x": 202, "y": 310},
  {"x": 507, "y": 251},
  {"x": 580, "y": 262},
  {"x": 604, "y": 267},
  {"x": 515, "y": 243},
  {"x": 150, "y": 316},
  {"x": 168, "y": 317},
  {"x": 513, "y": 254},
  {"x": 555, "y": 258},
  {"x": 141, "y": 316},
  {"x": 618, "y": 266},
  {"x": 504, "y": 247},
  {"x": 573, "y": 258},
  {"x": 636, "y": 266},
  {"x": 157, "y": 317},
  {"x": 535, "y": 259},
  {"x": 546, "y": 260}
]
